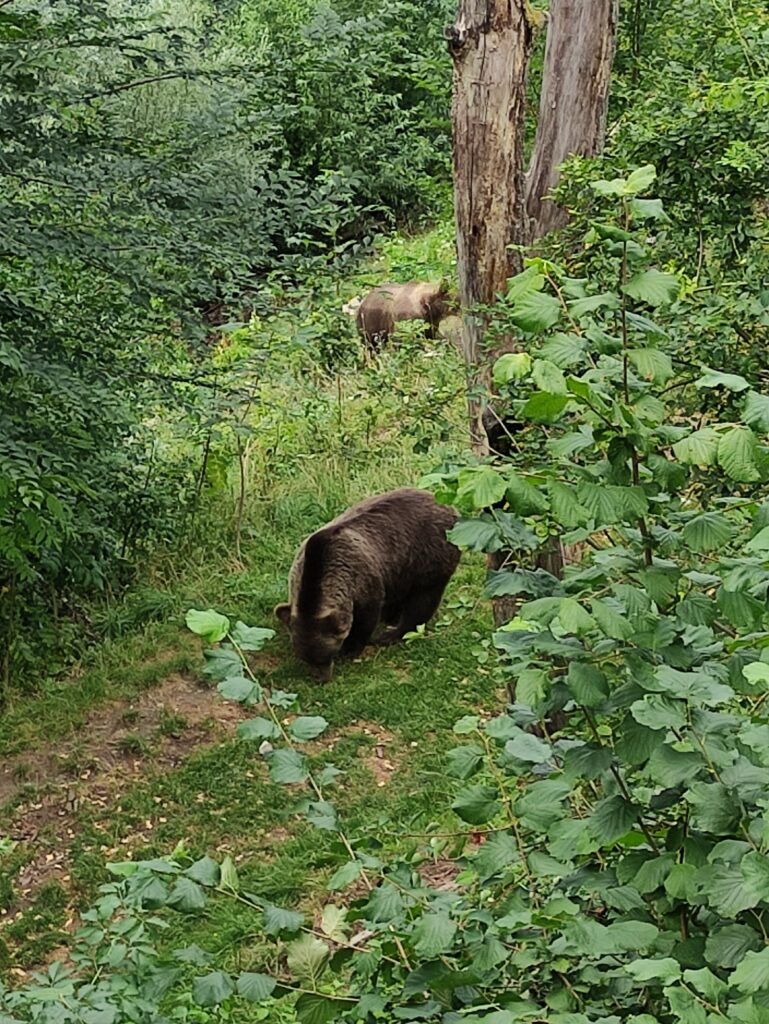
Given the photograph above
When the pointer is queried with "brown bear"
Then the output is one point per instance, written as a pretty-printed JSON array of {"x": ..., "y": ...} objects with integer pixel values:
[
  {"x": 385, "y": 560},
  {"x": 386, "y": 305}
]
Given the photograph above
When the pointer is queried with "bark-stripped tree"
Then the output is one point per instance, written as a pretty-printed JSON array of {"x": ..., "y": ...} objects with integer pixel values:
[
  {"x": 573, "y": 101},
  {"x": 490, "y": 43}
]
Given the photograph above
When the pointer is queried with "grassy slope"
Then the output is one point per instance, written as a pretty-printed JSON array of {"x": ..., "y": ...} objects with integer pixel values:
[{"x": 393, "y": 710}]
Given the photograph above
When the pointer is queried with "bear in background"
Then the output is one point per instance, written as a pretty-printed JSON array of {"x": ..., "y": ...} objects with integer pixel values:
[
  {"x": 388, "y": 304},
  {"x": 385, "y": 560}
]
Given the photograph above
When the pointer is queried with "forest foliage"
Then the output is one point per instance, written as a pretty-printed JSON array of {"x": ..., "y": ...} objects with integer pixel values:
[
  {"x": 616, "y": 869},
  {"x": 155, "y": 166}
]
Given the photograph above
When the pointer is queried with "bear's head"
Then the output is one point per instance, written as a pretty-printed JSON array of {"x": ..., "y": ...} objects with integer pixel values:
[{"x": 317, "y": 639}]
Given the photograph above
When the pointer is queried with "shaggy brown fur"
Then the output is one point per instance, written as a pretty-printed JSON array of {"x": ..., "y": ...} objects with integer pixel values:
[
  {"x": 389, "y": 303},
  {"x": 384, "y": 560}
]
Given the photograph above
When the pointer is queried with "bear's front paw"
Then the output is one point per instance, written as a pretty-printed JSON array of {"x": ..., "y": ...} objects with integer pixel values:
[{"x": 390, "y": 637}]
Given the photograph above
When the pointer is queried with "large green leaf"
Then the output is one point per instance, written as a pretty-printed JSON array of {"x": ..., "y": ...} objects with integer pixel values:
[
  {"x": 670, "y": 767},
  {"x": 477, "y": 804},
  {"x": 258, "y": 729},
  {"x": 307, "y": 958},
  {"x": 511, "y": 366},
  {"x": 648, "y": 209},
  {"x": 385, "y": 904},
  {"x": 434, "y": 934},
  {"x": 714, "y": 808},
  {"x": 566, "y": 509},
  {"x": 532, "y": 686},
  {"x": 277, "y": 919},
  {"x": 548, "y": 377},
  {"x": 524, "y": 498},
  {"x": 665, "y": 970},
  {"x": 587, "y": 761},
  {"x": 526, "y": 747},
  {"x": 212, "y": 626},
  {"x": 187, "y": 896},
  {"x": 287, "y": 766},
  {"x": 610, "y": 620},
  {"x": 476, "y": 534},
  {"x": 483, "y": 485},
  {"x": 740, "y": 609},
  {"x": 726, "y": 947},
  {"x": 205, "y": 871},
  {"x": 755, "y": 870},
  {"x": 345, "y": 875},
  {"x": 652, "y": 364},
  {"x": 610, "y": 504},
  {"x": 528, "y": 281},
  {"x": 464, "y": 761},
  {"x": 313, "y": 1008},
  {"x": 698, "y": 685},
  {"x": 755, "y": 412},
  {"x": 612, "y": 818},
  {"x": 251, "y": 638},
  {"x": 653, "y": 287},
  {"x": 728, "y": 892},
  {"x": 709, "y": 531},
  {"x": 606, "y": 300},
  {"x": 502, "y": 727},
  {"x": 498, "y": 852},
  {"x": 565, "y": 350},
  {"x": 640, "y": 179},
  {"x": 587, "y": 684},
  {"x": 700, "y": 448},
  {"x": 759, "y": 543},
  {"x": 636, "y": 742},
  {"x": 255, "y": 988},
  {"x": 656, "y": 711},
  {"x": 222, "y": 663},
  {"x": 573, "y": 617},
  {"x": 737, "y": 451},
  {"x": 212, "y": 989},
  {"x": 322, "y": 815},
  {"x": 717, "y": 379},
  {"x": 544, "y": 407},
  {"x": 535, "y": 312},
  {"x": 752, "y": 973},
  {"x": 239, "y": 688},
  {"x": 306, "y": 727}
]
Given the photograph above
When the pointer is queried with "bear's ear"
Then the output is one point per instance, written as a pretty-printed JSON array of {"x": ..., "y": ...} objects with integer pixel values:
[{"x": 283, "y": 612}]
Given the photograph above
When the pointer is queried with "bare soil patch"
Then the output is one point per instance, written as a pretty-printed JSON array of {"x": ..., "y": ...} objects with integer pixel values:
[
  {"x": 119, "y": 743},
  {"x": 383, "y": 757}
]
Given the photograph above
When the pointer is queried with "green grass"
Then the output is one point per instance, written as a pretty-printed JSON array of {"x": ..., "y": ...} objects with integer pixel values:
[
  {"x": 320, "y": 444},
  {"x": 221, "y": 800}
]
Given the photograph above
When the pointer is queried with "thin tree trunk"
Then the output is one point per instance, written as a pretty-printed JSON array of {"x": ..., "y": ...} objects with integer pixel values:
[
  {"x": 573, "y": 103},
  {"x": 490, "y": 43}
]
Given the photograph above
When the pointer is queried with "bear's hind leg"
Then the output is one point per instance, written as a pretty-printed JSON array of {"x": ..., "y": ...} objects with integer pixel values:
[{"x": 419, "y": 608}]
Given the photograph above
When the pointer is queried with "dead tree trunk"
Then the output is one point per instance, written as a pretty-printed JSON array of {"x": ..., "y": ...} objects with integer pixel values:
[
  {"x": 573, "y": 102},
  {"x": 490, "y": 43}
]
